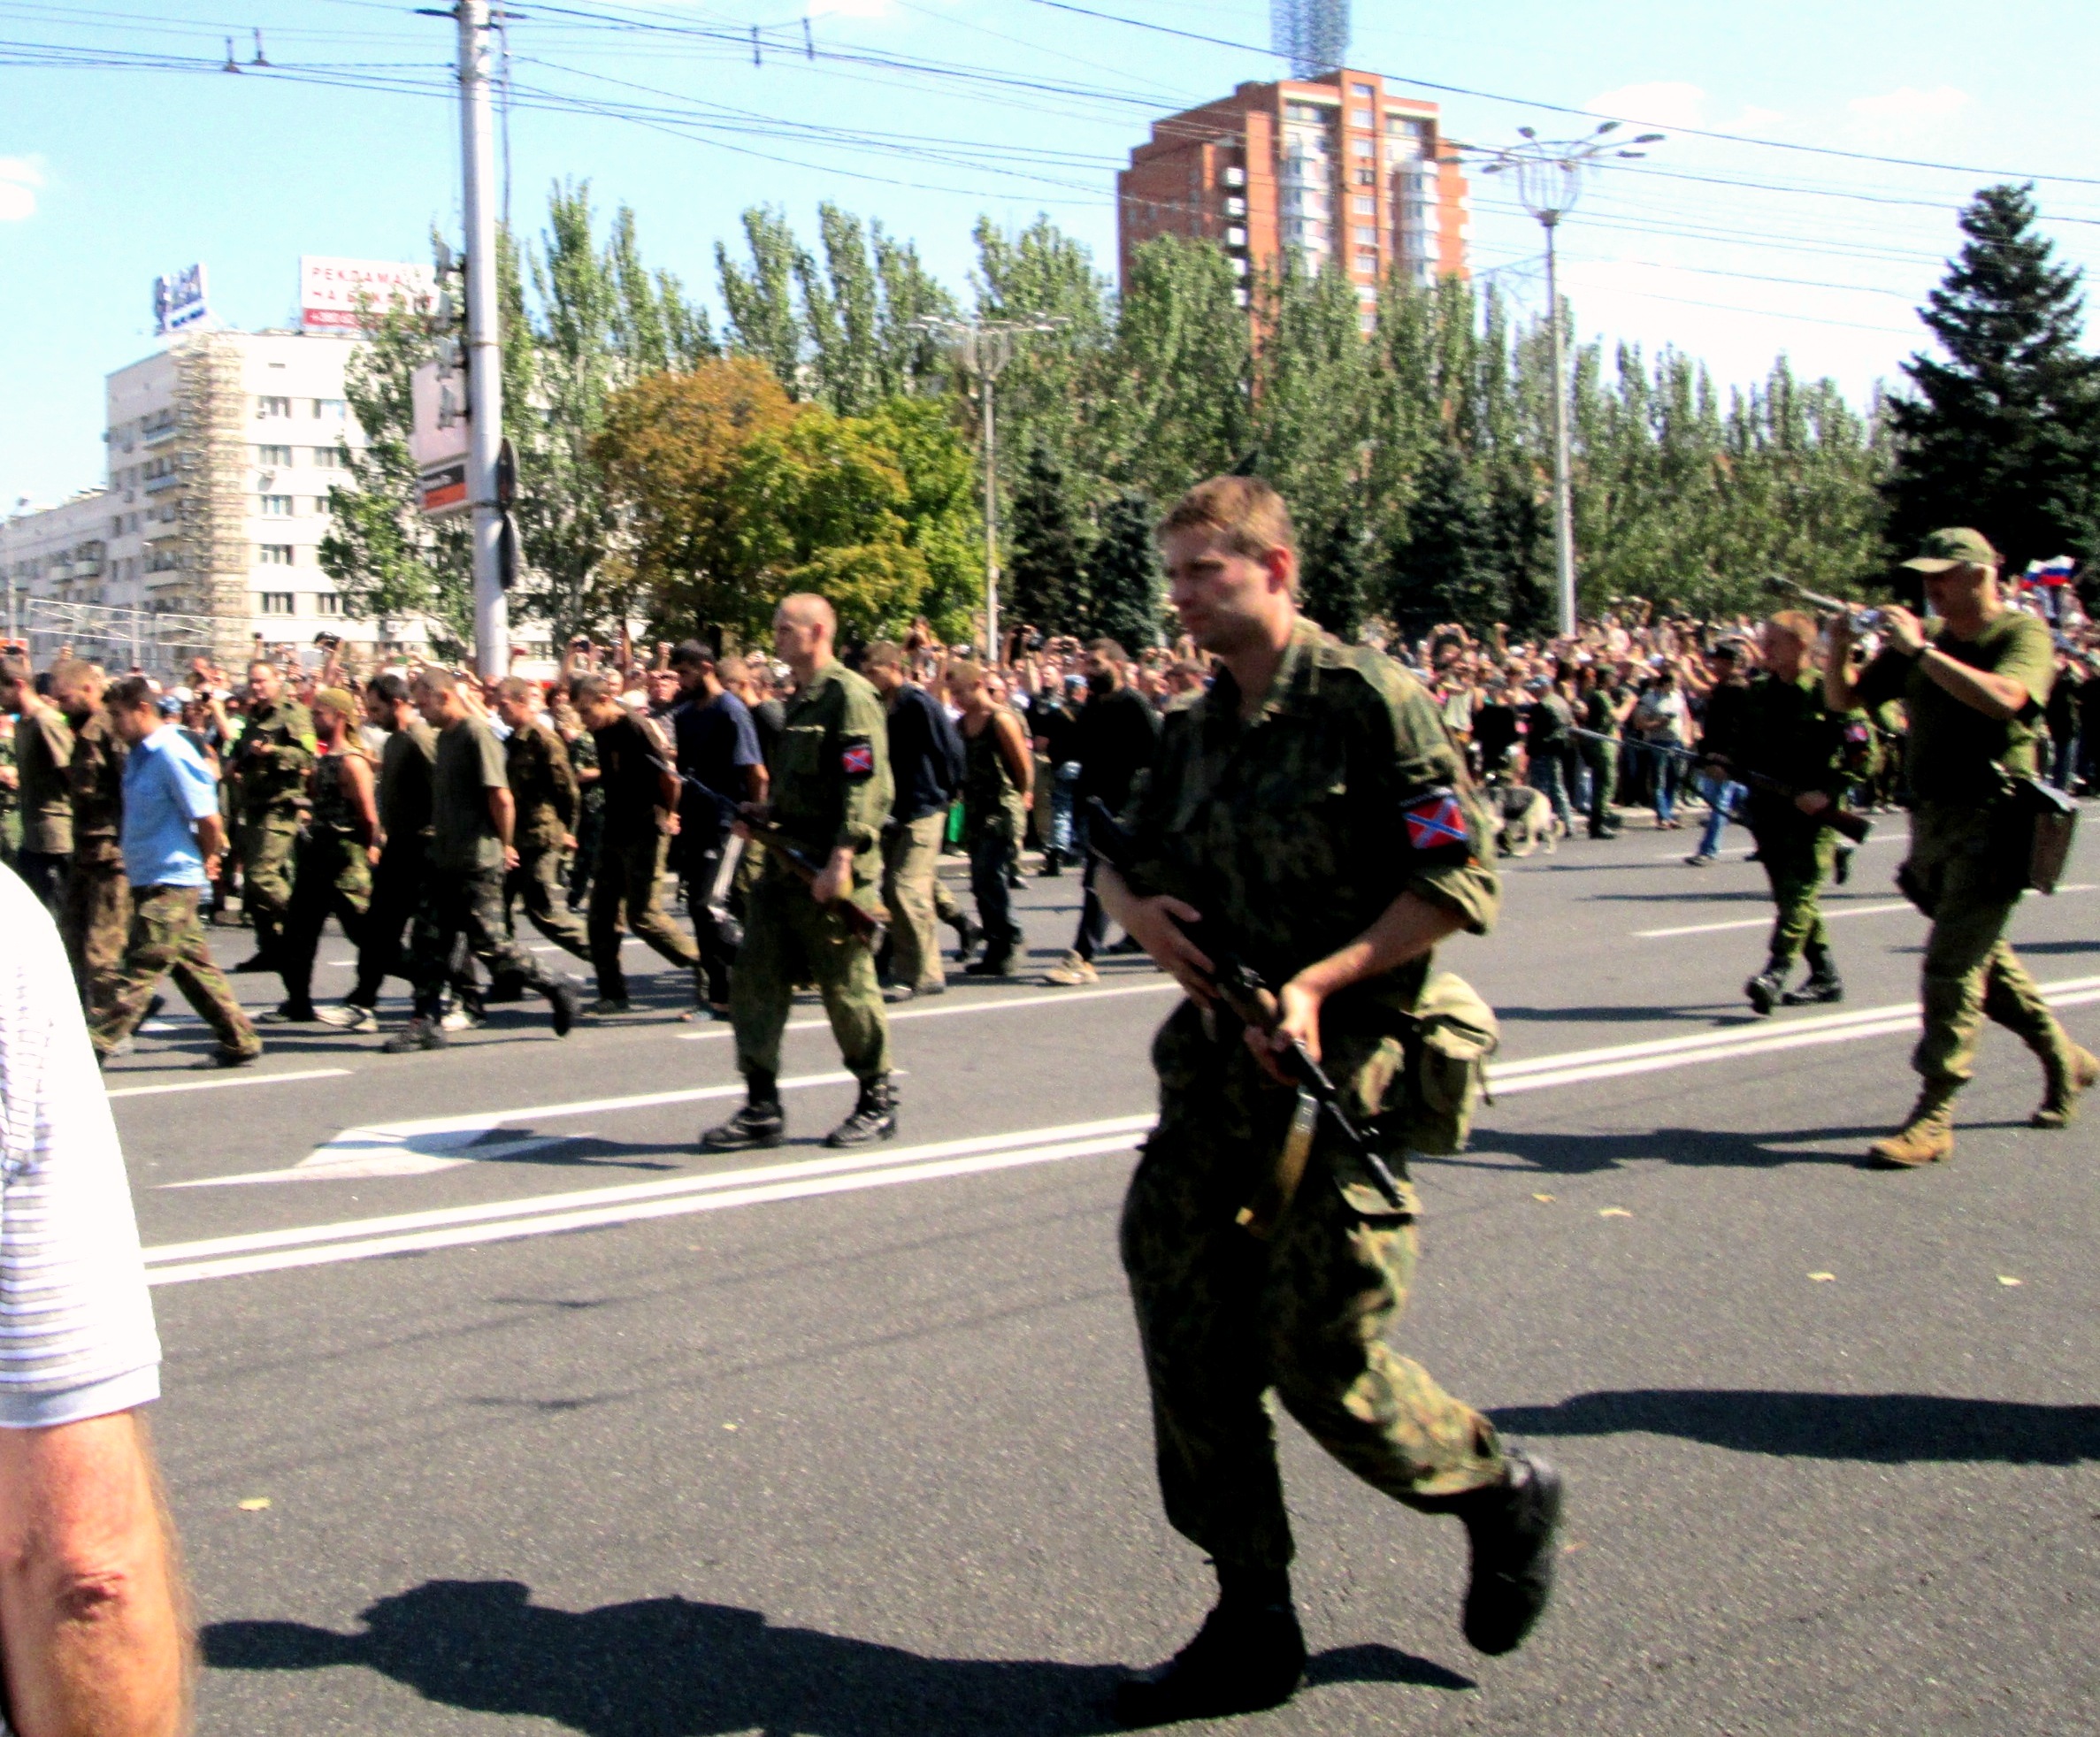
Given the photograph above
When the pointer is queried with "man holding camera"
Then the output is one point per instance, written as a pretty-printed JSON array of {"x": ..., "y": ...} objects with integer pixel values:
[{"x": 1974, "y": 681}]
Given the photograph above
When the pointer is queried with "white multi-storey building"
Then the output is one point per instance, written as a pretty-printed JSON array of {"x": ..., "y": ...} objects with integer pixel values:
[{"x": 264, "y": 445}]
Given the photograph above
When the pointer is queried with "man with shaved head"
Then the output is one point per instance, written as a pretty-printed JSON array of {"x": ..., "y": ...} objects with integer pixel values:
[{"x": 831, "y": 793}]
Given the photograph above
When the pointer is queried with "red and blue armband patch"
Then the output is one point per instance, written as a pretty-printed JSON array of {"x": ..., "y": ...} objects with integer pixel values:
[
  {"x": 1437, "y": 826},
  {"x": 857, "y": 758}
]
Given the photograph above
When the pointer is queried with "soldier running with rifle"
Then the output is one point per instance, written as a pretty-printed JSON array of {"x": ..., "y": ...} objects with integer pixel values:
[{"x": 1307, "y": 816}]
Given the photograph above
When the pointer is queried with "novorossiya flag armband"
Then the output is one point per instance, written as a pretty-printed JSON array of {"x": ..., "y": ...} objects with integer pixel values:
[
  {"x": 857, "y": 758},
  {"x": 1437, "y": 828}
]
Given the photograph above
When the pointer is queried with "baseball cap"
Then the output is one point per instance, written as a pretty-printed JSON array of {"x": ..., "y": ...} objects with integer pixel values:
[{"x": 1957, "y": 548}]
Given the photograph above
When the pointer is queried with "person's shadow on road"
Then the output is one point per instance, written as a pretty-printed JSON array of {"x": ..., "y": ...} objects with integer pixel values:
[{"x": 675, "y": 1667}]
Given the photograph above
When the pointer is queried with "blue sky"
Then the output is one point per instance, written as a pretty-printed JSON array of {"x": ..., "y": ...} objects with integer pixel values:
[{"x": 1732, "y": 251}]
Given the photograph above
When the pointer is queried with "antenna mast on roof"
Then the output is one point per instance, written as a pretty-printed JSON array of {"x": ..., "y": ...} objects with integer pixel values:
[{"x": 1313, "y": 33}]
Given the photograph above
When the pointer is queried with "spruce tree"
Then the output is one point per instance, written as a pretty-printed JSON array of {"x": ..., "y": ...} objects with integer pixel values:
[
  {"x": 1441, "y": 568},
  {"x": 2004, "y": 434},
  {"x": 1333, "y": 580},
  {"x": 1123, "y": 576},
  {"x": 1045, "y": 573}
]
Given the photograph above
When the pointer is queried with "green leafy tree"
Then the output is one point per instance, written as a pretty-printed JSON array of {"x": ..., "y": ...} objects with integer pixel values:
[
  {"x": 1045, "y": 574},
  {"x": 760, "y": 298},
  {"x": 1439, "y": 571},
  {"x": 1176, "y": 404},
  {"x": 1124, "y": 582},
  {"x": 2005, "y": 433},
  {"x": 1333, "y": 577}
]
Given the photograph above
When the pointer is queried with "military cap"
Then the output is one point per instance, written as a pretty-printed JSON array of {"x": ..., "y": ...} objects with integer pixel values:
[{"x": 1957, "y": 548}]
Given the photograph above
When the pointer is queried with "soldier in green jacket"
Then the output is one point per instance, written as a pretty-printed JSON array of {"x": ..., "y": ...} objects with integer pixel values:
[
  {"x": 1974, "y": 681},
  {"x": 270, "y": 764},
  {"x": 1783, "y": 731},
  {"x": 543, "y": 784},
  {"x": 1309, "y": 806},
  {"x": 831, "y": 793},
  {"x": 43, "y": 751},
  {"x": 97, "y": 893},
  {"x": 337, "y": 848}
]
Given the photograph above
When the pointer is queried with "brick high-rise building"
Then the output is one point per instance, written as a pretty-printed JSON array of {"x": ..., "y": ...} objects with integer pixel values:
[{"x": 1335, "y": 168}]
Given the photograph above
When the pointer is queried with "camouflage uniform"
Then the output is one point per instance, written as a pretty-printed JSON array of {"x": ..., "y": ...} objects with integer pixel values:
[
  {"x": 1960, "y": 872},
  {"x": 168, "y": 938},
  {"x": 1782, "y": 732},
  {"x": 332, "y": 877},
  {"x": 830, "y": 790},
  {"x": 98, "y": 895},
  {"x": 544, "y": 787},
  {"x": 590, "y": 818},
  {"x": 43, "y": 755},
  {"x": 270, "y": 762},
  {"x": 11, "y": 813},
  {"x": 1289, "y": 833},
  {"x": 993, "y": 818}
]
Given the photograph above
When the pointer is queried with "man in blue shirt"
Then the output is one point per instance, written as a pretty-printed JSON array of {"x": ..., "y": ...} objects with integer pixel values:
[
  {"x": 718, "y": 745},
  {"x": 172, "y": 839}
]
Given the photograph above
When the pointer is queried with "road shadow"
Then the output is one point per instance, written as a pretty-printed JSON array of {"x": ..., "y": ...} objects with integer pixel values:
[
  {"x": 2052, "y": 947},
  {"x": 1719, "y": 1015},
  {"x": 676, "y": 1667},
  {"x": 1889, "y": 1428},
  {"x": 1587, "y": 1154},
  {"x": 1701, "y": 896}
]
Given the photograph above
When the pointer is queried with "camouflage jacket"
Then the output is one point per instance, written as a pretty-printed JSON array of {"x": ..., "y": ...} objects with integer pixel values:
[
  {"x": 543, "y": 785},
  {"x": 831, "y": 788},
  {"x": 1296, "y": 831},
  {"x": 273, "y": 758},
  {"x": 95, "y": 774}
]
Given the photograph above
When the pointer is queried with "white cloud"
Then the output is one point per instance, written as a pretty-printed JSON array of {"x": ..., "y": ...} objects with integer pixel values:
[
  {"x": 1908, "y": 102},
  {"x": 1665, "y": 103},
  {"x": 20, "y": 178}
]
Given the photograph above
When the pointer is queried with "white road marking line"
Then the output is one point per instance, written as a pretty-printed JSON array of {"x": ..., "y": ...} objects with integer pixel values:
[
  {"x": 1831, "y": 916},
  {"x": 230, "y": 1080},
  {"x": 442, "y": 1143},
  {"x": 357, "y": 1239},
  {"x": 819, "y": 1023},
  {"x": 540, "y": 1215}
]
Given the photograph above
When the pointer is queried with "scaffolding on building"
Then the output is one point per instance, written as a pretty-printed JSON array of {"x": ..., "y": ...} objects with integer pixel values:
[
  {"x": 211, "y": 508},
  {"x": 158, "y": 643}
]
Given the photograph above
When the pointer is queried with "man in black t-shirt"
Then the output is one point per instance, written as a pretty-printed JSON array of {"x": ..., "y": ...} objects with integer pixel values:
[
  {"x": 717, "y": 744},
  {"x": 1116, "y": 737}
]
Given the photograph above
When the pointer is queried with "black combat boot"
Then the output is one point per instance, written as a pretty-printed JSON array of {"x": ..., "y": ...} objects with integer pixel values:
[
  {"x": 1511, "y": 1526},
  {"x": 561, "y": 1001},
  {"x": 1823, "y": 986},
  {"x": 1841, "y": 868},
  {"x": 966, "y": 937},
  {"x": 997, "y": 962},
  {"x": 760, "y": 1123},
  {"x": 1766, "y": 988},
  {"x": 1248, "y": 1656},
  {"x": 874, "y": 1116}
]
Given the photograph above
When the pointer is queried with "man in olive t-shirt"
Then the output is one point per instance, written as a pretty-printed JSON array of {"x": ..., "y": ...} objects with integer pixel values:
[
  {"x": 471, "y": 815},
  {"x": 44, "y": 750},
  {"x": 1974, "y": 682}
]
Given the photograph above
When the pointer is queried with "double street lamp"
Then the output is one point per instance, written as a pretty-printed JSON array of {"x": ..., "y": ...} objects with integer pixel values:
[
  {"x": 1549, "y": 178},
  {"x": 984, "y": 348}
]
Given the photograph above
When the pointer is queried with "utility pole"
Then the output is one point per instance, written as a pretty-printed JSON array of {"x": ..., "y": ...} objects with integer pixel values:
[
  {"x": 984, "y": 348},
  {"x": 1549, "y": 180},
  {"x": 484, "y": 356}
]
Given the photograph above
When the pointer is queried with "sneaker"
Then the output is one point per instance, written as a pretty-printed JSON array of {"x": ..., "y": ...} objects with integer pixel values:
[
  {"x": 968, "y": 934},
  {"x": 1703, "y": 860},
  {"x": 1070, "y": 971},
  {"x": 606, "y": 1006},
  {"x": 419, "y": 1034},
  {"x": 999, "y": 965},
  {"x": 893, "y": 993},
  {"x": 349, "y": 1016},
  {"x": 220, "y": 1058},
  {"x": 290, "y": 1012},
  {"x": 456, "y": 1019}
]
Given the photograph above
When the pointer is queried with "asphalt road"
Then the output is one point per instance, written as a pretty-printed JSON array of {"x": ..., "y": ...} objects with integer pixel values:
[{"x": 564, "y": 1429}]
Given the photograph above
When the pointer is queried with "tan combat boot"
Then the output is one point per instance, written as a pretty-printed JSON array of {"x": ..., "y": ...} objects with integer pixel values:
[
  {"x": 1926, "y": 1137},
  {"x": 2069, "y": 1079}
]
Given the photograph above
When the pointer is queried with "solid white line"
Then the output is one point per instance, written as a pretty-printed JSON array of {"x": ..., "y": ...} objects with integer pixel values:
[
  {"x": 1003, "y": 1003},
  {"x": 230, "y": 1080},
  {"x": 1831, "y": 916},
  {"x": 592, "y": 1208}
]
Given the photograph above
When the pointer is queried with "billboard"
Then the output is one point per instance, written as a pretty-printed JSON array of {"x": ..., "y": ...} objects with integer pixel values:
[
  {"x": 331, "y": 290},
  {"x": 179, "y": 300},
  {"x": 441, "y": 491}
]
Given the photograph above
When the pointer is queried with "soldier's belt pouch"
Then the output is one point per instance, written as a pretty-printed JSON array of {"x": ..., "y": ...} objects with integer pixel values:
[
  {"x": 2047, "y": 823},
  {"x": 1450, "y": 1038}
]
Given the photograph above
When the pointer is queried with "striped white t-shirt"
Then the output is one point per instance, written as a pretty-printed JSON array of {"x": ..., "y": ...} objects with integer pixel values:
[{"x": 76, "y": 1325}]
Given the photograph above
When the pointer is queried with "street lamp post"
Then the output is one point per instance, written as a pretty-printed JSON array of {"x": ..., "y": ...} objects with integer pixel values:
[
  {"x": 984, "y": 348},
  {"x": 1549, "y": 174}
]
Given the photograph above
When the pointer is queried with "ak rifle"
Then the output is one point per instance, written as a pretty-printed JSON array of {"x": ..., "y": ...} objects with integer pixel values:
[
  {"x": 796, "y": 859},
  {"x": 1253, "y": 1002},
  {"x": 1836, "y": 816}
]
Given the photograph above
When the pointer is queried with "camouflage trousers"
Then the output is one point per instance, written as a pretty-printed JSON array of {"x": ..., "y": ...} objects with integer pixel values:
[
  {"x": 466, "y": 905},
  {"x": 1224, "y": 1319},
  {"x": 1603, "y": 785},
  {"x": 1957, "y": 874},
  {"x": 334, "y": 879},
  {"x": 97, "y": 924},
  {"x": 911, "y": 888},
  {"x": 536, "y": 884},
  {"x": 1798, "y": 861},
  {"x": 626, "y": 890},
  {"x": 268, "y": 843},
  {"x": 167, "y": 939},
  {"x": 789, "y": 938}
]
